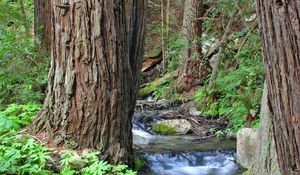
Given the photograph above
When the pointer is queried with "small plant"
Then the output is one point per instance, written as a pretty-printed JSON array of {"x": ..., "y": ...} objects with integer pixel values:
[
  {"x": 21, "y": 115},
  {"x": 161, "y": 128},
  {"x": 138, "y": 163},
  {"x": 20, "y": 154},
  {"x": 92, "y": 165}
]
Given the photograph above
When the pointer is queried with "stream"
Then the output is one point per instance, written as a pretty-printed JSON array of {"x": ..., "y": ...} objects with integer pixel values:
[{"x": 185, "y": 154}]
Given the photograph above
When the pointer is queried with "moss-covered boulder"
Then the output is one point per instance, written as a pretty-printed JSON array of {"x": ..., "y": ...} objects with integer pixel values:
[{"x": 175, "y": 126}]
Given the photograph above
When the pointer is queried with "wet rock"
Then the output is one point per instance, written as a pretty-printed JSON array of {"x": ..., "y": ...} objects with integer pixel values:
[
  {"x": 246, "y": 146},
  {"x": 141, "y": 137},
  {"x": 182, "y": 126},
  {"x": 194, "y": 112}
]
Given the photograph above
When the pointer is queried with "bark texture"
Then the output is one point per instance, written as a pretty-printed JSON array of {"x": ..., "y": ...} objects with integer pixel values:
[
  {"x": 42, "y": 23},
  {"x": 265, "y": 161},
  {"x": 279, "y": 22},
  {"x": 194, "y": 69},
  {"x": 94, "y": 76}
]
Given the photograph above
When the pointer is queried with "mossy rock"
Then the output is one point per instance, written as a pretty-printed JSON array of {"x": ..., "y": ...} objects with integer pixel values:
[
  {"x": 161, "y": 128},
  {"x": 153, "y": 53},
  {"x": 148, "y": 89},
  {"x": 157, "y": 83}
]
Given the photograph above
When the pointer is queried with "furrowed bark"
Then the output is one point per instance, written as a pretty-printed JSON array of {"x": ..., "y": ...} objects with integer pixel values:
[
  {"x": 93, "y": 77},
  {"x": 279, "y": 24}
]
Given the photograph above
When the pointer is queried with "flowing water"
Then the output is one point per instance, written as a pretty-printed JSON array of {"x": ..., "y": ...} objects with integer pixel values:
[{"x": 186, "y": 154}]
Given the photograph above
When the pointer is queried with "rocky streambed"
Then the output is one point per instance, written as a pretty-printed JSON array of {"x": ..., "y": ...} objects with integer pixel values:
[{"x": 182, "y": 154}]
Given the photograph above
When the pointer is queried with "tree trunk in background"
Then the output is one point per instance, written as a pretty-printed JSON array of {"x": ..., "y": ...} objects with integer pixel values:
[
  {"x": 42, "y": 23},
  {"x": 265, "y": 161},
  {"x": 23, "y": 12},
  {"x": 279, "y": 25},
  {"x": 162, "y": 13},
  {"x": 94, "y": 76},
  {"x": 194, "y": 69}
]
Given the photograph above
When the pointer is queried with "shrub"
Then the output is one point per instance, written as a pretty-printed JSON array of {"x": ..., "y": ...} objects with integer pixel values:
[
  {"x": 236, "y": 93},
  {"x": 92, "y": 166},
  {"x": 20, "y": 154},
  {"x": 23, "y": 73},
  {"x": 16, "y": 116}
]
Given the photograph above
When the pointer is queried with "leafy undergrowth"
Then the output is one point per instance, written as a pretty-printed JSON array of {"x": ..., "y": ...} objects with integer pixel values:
[
  {"x": 23, "y": 73},
  {"x": 21, "y": 153},
  {"x": 91, "y": 165},
  {"x": 17, "y": 116},
  {"x": 162, "y": 87},
  {"x": 235, "y": 95}
]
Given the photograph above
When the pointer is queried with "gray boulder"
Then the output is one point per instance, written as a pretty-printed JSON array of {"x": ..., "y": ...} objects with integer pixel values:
[
  {"x": 246, "y": 146},
  {"x": 182, "y": 126},
  {"x": 265, "y": 161},
  {"x": 194, "y": 112},
  {"x": 141, "y": 137}
]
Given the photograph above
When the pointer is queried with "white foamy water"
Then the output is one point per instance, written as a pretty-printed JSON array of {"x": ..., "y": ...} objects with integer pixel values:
[
  {"x": 184, "y": 155},
  {"x": 141, "y": 133},
  {"x": 193, "y": 163}
]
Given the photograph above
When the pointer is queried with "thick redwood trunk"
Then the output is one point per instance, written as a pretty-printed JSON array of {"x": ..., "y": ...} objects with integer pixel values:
[
  {"x": 279, "y": 24},
  {"x": 93, "y": 76},
  {"x": 194, "y": 69},
  {"x": 42, "y": 23}
]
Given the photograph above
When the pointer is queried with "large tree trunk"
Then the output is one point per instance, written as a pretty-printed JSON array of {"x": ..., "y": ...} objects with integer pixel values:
[
  {"x": 279, "y": 24},
  {"x": 194, "y": 69},
  {"x": 42, "y": 23},
  {"x": 94, "y": 76},
  {"x": 265, "y": 160}
]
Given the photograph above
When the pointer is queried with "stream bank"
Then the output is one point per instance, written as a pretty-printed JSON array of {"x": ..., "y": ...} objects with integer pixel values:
[{"x": 196, "y": 153}]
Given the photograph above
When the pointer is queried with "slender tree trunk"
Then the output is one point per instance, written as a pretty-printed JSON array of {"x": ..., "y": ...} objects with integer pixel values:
[
  {"x": 194, "y": 69},
  {"x": 216, "y": 59},
  {"x": 167, "y": 25},
  {"x": 23, "y": 12},
  {"x": 94, "y": 76},
  {"x": 162, "y": 13},
  {"x": 42, "y": 23},
  {"x": 279, "y": 25}
]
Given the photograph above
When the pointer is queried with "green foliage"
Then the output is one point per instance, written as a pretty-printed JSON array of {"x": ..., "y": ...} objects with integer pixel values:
[
  {"x": 175, "y": 43},
  {"x": 234, "y": 95},
  {"x": 20, "y": 154},
  {"x": 16, "y": 116},
  {"x": 238, "y": 87},
  {"x": 222, "y": 133},
  {"x": 138, "y": 163},
  {"x": 162, "y": 87},
  {"x": 23, "y": 72},
  {"x": 163, "y": 129},
  {"x": 92, "y": 166}
]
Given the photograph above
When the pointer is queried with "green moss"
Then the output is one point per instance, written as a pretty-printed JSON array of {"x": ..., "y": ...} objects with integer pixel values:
[
  {"x": 138, "y": 163},
  {"x": 248, "y": 173},
  {"x": 153, "y": 53},
  {"x": 160, "y": 86},
  {"x": 148, "y": 89},
  {"x": 163, "y": 129}
]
